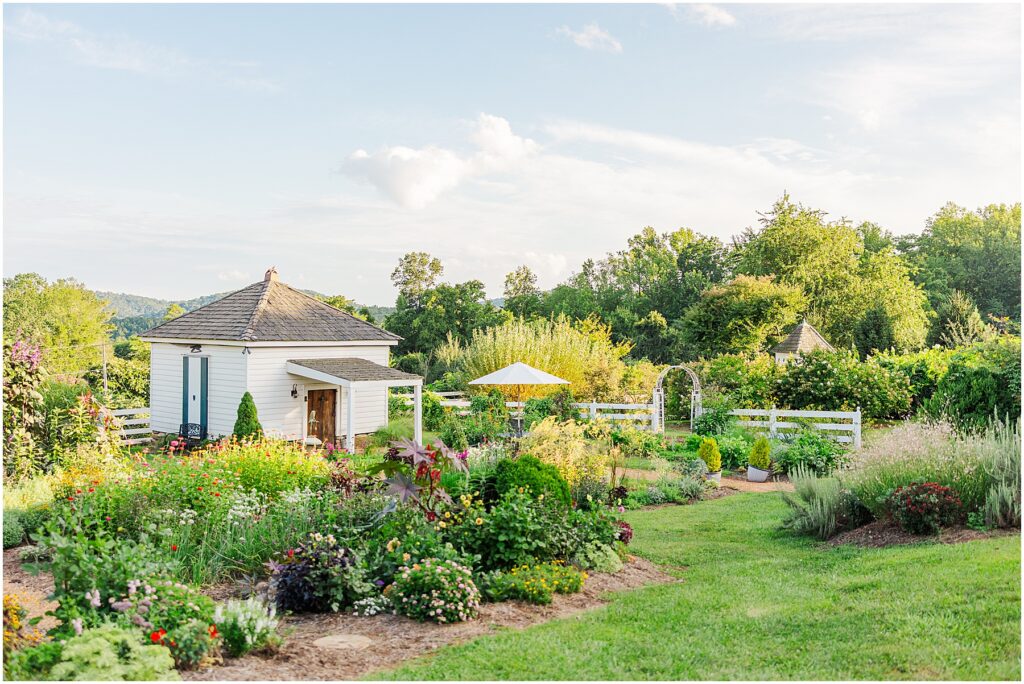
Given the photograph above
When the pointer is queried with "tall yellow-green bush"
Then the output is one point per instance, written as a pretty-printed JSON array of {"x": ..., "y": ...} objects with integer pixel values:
[
  {"x": 564, "y": 445},
  {"x": 582, "y": 353}
]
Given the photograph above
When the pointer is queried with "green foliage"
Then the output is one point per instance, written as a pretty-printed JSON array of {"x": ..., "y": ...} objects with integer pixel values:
[
  {"x": 453, "y": 433},
  {"x": 821, "y": 506},
  {"x": 433, "y": 413},
  {"x": 598, "y": 557},
  {"x": 746, "y": 315},
  {"x": 14, "y": 531},
  {"x": 714, "y": 419},
  {"x": 734, "y": 447},
  {"x": 983, "y": 382},
  {"x": 748, "y": 381},
  {"x": 427, "y": 316},
  {"x": 436, "y": 590},
  {"x": 838, "y": 381},
  {"x": 107, "y": 652},
  {"x": 68, "y": 321},
  {"x": 710, "y": 454},
  {"x": 874, "y": 332},
  {"x": 1000, "y": 455},
  {"x": 560, "y": 404},
  {"x": 590, "y": 493},
  {"x": 530, "y": 473},
  {"x": 976, "y": 252},
  {"x": 247, "y": 424},
  {"x": 127, "y": 383},
  {"x": 923, "y": 370},
  {"x": 635, "y": 442},
  {"x": 760, "y": 454},
  {"x": 245, "y": 626},
  {"x": 415, "y": 363},
  {"x": 813, "y": 451},
  {"x": 958, "y": 323}
]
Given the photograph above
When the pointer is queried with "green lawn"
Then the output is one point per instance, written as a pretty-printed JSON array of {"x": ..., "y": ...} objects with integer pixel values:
[{"x": 757, "y": 603}]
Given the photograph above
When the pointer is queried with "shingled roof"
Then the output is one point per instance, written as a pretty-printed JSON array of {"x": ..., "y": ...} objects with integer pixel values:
[
  {"x": 353, "y": 370},
  {"x": 802, "y": 340},
  {"x": 270, "y": 311}
]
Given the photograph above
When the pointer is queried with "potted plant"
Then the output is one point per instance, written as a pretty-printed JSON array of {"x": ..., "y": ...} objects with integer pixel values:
[
  {"x": 712, "y": 457},
  {"x": 760, "y": 460}
]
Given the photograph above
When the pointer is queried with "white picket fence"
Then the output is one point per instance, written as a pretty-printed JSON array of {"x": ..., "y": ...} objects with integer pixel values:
[
  {"x": 842, "y": 426},
  {"x": 135, "y": 427},
  {"x": 633, "y": 413}
]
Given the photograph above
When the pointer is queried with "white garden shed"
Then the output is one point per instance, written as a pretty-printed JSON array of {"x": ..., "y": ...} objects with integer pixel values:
[{"x": 314, "y": 371}]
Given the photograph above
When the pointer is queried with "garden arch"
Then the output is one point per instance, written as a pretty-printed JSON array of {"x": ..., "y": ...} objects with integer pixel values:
[{"x": 658, "y": 398}]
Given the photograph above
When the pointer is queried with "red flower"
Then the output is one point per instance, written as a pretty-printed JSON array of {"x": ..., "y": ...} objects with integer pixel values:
[
  {"x": 216, "y": 493},
  {"x": 199, "y": 488},
  {"x": 291, "y": 552},
  {"x": 91, "y": 489},
  {"x": 213, "y": 632},
  {"x": 174, "y": 547},
  {"x": 158, "y": 636}
]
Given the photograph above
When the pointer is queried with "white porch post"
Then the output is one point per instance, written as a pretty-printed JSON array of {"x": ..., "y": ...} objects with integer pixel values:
[
  {"x": 350, "y": 423},
  {"x": 417, "y": 413}
]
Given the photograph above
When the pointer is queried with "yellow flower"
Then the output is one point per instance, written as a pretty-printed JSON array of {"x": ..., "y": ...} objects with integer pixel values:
[
  {"x": 406, "y": 557},
  {"x": 540, "y": 498},
  {"x": 447, "y": 514},
  {"x": 443, "y": 524},
  {"x": 479, "y": 521},
  {"x": 521, "y": 490}
]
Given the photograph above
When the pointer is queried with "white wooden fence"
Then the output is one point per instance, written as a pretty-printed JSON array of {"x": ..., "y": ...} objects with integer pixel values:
[
  {"x": 639, "y": 413},
  {"x": 842, "y": 426},
  {"x": 135, "y": 427}
]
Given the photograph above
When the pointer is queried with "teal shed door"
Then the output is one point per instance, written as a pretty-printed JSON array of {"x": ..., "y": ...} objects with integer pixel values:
[{"x": 194, "y": 389}]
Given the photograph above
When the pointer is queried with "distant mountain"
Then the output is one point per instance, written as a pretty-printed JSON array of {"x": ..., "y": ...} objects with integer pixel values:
[{"x": 134, "y": 314}]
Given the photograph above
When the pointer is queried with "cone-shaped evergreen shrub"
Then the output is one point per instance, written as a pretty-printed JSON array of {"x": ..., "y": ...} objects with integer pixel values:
[
  {"x": 761, "y": 454},
  {"x": 709, "y": 453},
  {"x": 247, "y": 425}
]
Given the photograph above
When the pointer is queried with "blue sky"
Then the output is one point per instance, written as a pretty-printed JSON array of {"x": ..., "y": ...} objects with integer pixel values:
[{"x": 175, "y": 150}]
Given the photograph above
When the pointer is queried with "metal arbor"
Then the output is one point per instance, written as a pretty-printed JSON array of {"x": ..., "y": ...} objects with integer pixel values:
[{"x": 658, "y": 398}]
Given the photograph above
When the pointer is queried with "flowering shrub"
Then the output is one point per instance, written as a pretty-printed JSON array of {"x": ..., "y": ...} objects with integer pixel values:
[
  {"x": 16, "y": 632},
  {"x": 535, "y": 583},
  {"x": 190, "y": 643},
  {"x": 246, "y": 625},
  {"x": 372, "y": 605},
  {"x": 925, "y": 507},
  {"x": 839, "y": 381},
  {"x": 22, "y": 416},
  {"x": 516, "y": 531},
  {"x": 442, "y": 591},
  {"x": 318, "y": 576}
]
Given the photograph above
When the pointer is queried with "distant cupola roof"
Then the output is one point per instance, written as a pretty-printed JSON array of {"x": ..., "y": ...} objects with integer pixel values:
[
  {"x": 803, "y": 339},
  {"x": 270, "y": 311}
]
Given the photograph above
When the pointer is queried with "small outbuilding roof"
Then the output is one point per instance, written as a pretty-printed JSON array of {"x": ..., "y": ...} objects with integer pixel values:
[
  {"x": 803, "y": 339},
  {"x": 349, "y": 370},
  {"x": 270, "y": 311}
]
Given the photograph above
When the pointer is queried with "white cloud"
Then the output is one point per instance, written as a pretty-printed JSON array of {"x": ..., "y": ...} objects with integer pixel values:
[
  {"x": 592, "y": 37},
  {"x": 416, "y": 177},
  {"x": 123, "y": 53},
  {"x": 701, "y": 13}
]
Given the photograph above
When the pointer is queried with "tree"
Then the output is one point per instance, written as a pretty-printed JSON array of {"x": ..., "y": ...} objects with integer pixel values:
[
  {"x": 247, "y": 424},
  {"x": 174, "y": 311},
  {"x": 416, "y": 273},
  {"x": 522, "y": 297},
  {"x": 744, "y": 315},
  {"x": 67, "y": 321},
  {"x": 958, "y": 323},
  {"x": 976, "y": 252},
  {"x": 457, "y": 309},
  {"x": 874, "y": 332},
  {"x": 347, "y": 305}
]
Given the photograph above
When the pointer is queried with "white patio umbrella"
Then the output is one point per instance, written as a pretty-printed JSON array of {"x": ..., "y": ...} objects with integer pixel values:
[{"x": 519, "y": 374}]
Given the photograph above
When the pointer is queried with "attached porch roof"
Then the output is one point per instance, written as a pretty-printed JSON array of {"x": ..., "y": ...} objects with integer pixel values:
[{"x": 345, "y": 372}]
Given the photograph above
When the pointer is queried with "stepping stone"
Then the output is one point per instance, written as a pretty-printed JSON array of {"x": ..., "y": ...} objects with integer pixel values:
[{"x": 355, "y": 642}]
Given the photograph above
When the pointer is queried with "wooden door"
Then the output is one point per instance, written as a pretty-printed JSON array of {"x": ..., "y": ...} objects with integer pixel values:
[{"x": 320, "y": 414}]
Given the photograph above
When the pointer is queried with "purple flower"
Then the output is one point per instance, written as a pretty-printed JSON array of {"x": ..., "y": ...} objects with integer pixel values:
[{"x": 379, "y": 583}]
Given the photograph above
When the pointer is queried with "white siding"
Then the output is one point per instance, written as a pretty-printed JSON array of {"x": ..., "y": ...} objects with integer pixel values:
[
  {"x": 226, "y": 385},
  {"x": 270, "y": 385}
]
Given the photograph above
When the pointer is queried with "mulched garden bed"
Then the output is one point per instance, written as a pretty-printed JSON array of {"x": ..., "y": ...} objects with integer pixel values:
[
  {"x": 882, "y": 533},
  {"x": 393, "y": 639}
]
